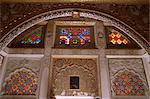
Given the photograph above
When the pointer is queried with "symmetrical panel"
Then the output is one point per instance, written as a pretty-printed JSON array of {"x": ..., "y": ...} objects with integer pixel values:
[
  {"x": 74, "y": 76},
  {"x": 74, "y": 37},
  {"x": 21, "y": 82},
  {"x": 127, "y": 77}
]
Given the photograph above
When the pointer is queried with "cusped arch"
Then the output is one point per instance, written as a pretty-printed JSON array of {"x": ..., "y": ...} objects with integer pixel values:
[
  {"x": 20, "y": 82},
  {"x": 107, "y": 19}
]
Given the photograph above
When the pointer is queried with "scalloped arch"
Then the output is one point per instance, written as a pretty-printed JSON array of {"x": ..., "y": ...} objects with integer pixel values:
[
  {"x": 68, "y": 12},
  {"x": 22, "y": 81}
]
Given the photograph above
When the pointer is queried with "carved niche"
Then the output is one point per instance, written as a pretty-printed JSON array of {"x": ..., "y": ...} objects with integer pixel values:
[{"x": 64, "y": 68}]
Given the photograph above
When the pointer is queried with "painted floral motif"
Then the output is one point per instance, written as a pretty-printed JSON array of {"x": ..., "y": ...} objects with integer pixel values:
[
  {"x": 21, "y": 82},
  {"x": 127, "y": 83}
]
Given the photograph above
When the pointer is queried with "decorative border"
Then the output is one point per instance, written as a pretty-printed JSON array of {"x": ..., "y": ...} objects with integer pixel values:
[
  {"x": 75, "y": 23},
  {"x": 68, "y": 12}
]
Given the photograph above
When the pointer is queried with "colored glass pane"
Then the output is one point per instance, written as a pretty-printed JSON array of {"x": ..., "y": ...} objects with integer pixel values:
[
  {"x": 127, "y": 83},
  {"x": 75, "y": 36},
  {"x": 21, "y": 82},
  {"x": 35, "y": 37},
  {"x": 117, "y": 38}
]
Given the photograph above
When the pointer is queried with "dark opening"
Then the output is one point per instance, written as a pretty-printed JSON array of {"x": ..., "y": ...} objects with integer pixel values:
[{"x": 74, "y": 82}]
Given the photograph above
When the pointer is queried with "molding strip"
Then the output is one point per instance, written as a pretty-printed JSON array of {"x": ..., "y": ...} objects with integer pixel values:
[
  {"x": 26, "y": 55},
  {"x": 126, "y": 56}
]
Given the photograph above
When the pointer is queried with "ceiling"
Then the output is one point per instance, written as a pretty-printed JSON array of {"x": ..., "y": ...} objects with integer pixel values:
[{"x": 88, "y": 1}]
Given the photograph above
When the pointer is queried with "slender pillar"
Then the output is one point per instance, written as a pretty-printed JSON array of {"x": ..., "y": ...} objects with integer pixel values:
[
  {"x": 146, "y": 62},
  {"x": 105, "y": 83},
  {"x": 44, "y": 83},
  {"x": 2, "y": 74}
]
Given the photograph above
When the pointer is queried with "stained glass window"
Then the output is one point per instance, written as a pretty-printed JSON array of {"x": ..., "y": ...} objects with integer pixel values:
[
  {"x": 127, "y": 83},
  {"x": 74, "y": 37},
  {"x": 33, "y": 37},
  {"x": 117, "y": 39},
  {"x": 21, "y": 82}
]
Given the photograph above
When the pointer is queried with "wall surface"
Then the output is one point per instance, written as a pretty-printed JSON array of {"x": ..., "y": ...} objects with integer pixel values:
[{"x": 95, "y": 69}]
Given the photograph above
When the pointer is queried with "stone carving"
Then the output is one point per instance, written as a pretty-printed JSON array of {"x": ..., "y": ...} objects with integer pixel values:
[
  {"x": 68, "y": 12},
  {"x": 86, "y": 69}
]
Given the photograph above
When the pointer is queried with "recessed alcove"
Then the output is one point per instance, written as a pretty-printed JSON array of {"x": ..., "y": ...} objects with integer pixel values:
[{"x": 75, "y": 76}]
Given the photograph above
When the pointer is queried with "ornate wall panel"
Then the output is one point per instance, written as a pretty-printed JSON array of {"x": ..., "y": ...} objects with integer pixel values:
[
  {"x": 85, "y": 69},
  {"x": 127, "y": 77},
  {"x": 20, "y": 70},
  {"x": 21, "y": 82}
]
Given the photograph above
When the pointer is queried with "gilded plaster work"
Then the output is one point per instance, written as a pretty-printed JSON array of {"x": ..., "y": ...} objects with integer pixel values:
[
  {"x": 127, "y": 77},
  {"x": 86, "y": 69}
]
